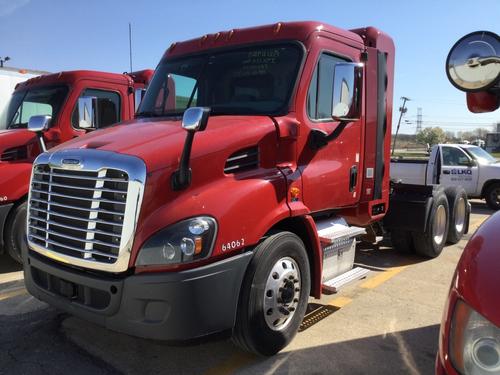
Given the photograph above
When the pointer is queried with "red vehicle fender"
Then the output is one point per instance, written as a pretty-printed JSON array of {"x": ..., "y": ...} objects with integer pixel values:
[{"x": 14, "y": 181}]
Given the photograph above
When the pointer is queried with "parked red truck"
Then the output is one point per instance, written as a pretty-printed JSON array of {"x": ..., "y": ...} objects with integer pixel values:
[
  {"x": 257, "y": 158},
  {"x": 469, "y": 340},
  {"x": 57, "y": 96}
]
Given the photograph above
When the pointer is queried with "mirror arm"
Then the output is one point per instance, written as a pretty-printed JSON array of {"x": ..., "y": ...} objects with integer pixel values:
[
  {"x": 41, "y": 142},
  {"x": 181, "y": 178},
  {"x": 319, "y": 139}
]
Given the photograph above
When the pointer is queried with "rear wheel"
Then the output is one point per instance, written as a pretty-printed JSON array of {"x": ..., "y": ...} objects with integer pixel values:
[
  {"x": 492, "y": 196},
  {"x": 274, "y": 295},
  {"x": 430, "y": 244},
  {"x": 15, "y": 230},
  {"x": 457, "y": 201}
]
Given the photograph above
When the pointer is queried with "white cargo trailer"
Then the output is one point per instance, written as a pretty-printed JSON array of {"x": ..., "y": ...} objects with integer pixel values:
[{"x": 9, "y": 78}]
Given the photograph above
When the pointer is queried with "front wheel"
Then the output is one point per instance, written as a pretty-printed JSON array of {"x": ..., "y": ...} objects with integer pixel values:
[
  {"x": 15, "y": 230},
  {"x": 492, "y": 196},
  {"x": 274, "y": 295}
]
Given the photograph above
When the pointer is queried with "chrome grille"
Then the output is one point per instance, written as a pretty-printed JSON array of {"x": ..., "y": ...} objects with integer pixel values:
[{"x": 84, "y": 216}]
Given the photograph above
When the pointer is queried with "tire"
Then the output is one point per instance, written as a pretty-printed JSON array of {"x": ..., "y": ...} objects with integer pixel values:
[
  {"x": 492, "y": 196},
  {"x": 457, "y": 202},
  {"x": 279, "y": 267},
  {"x": 430, "y": 244},
  {"x": 15, "y": 233},
  {"x": 402, "y": 241}
]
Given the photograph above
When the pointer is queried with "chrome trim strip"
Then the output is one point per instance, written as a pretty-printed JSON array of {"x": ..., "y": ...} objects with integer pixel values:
[{"x": 94, "y": 161}]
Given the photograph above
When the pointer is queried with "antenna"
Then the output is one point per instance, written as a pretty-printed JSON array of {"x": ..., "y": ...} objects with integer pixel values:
[
  {"x": 130, "y": 44},
  {"x": 419, "y": 120}
]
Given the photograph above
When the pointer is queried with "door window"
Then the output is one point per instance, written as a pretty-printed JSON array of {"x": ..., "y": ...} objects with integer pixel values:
[
  {"x": 320, "y": 95},
  {"x": 454, "y": 157},
  {"x": 108, "y": 107}
]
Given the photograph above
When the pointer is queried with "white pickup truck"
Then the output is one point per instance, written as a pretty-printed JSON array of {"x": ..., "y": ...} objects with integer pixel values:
[{"x": 450, "y": 165}]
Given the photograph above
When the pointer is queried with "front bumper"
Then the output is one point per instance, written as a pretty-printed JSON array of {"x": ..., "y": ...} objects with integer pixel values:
[
  {"x": 4, "y": 212},
  {"x": 163, "y": 306}
]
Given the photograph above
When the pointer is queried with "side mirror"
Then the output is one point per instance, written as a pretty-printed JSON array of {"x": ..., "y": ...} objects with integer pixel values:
[
  {"x": 347, "y": 82},
  {"x": 195, "y": 119},
  {"x": 138, "y": 95},
  {"x": 467, "y": 162},
  {"x": 38, "y": 124},
  {"x": 87, "y": 112},
  {"x": 473, "y": 63}
]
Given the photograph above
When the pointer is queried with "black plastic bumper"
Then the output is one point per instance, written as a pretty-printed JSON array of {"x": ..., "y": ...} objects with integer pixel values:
[
  {"x": 164, "y": 306},
  {"x": 4, "y": 211}
]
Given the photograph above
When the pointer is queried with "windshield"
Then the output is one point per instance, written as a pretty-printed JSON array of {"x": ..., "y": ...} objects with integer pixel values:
[
  {"x": 480, "y": 155},
  {"x": 31, "y": 102},
  {"x": 255, "y": 80}
]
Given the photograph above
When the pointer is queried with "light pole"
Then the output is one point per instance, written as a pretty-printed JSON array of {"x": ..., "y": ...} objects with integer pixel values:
[
  {"x": 402, "y": 111},
  {"x": 3, "y": 59}
]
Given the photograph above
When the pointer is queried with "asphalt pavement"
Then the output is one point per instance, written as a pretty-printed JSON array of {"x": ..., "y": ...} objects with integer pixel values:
[{"x": 386, "y": 323}]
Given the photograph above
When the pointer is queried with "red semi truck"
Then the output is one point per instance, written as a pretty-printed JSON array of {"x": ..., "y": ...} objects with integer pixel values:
[
  {"x": 469, "y": 340},
  {"x": 55, "y": 99},
  {"x": 257, "y": 157}
]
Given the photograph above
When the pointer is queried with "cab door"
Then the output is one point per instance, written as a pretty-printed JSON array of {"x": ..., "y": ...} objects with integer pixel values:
[
  {"x": 457, "y": 168},
  {"x": 331, "y": 175}
]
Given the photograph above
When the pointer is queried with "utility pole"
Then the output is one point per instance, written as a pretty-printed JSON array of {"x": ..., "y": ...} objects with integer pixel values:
[
  {"x": 3, "y": 60},
  {"x": 402, "y": 111},
  {"x": 419, "y": 120}
]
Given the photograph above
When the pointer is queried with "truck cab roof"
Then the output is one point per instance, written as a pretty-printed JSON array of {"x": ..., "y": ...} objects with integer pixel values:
[
  {"x": 75, "y": 75},
  {"x": 280, "y": 31}
]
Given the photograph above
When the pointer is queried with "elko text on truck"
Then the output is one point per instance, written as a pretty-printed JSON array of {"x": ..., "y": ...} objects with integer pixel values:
[
  {"x": 257, "y": 157},
  {"x": 58, "y": 107},
  {"x": 452, "y": 165}
]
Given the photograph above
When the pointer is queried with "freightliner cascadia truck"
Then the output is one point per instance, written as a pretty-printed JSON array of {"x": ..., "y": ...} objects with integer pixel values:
[
  {"x": 54, "y": 101},
  {"x": 257, "y": 158},
  {"x": 469, "y": 339}
]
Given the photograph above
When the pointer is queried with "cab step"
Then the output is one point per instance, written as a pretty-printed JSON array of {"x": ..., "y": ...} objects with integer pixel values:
[
  {"x": 334, "y": 230},
  {"x": 333, "y": 285}
]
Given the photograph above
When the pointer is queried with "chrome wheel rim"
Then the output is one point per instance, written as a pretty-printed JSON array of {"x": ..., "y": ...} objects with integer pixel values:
[
  {"x": 439, "y": 225},
  {"x": 460, "y": 215},
  {"x": 282, "y": 294}
]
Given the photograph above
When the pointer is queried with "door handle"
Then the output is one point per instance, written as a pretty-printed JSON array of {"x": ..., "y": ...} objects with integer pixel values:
[{"x": 353, "y": 179}]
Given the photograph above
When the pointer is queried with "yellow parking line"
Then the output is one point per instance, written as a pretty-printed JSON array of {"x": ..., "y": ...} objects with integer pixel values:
[
  {"x": 340, "y": 302},
  {"x": 13, "y": 293},
  {"x": 236, "y": 361},
  {"x": 382, "y": 278}
]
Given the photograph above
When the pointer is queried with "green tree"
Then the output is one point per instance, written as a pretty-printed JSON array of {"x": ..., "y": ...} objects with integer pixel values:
[{"x": 431, "y": 136}]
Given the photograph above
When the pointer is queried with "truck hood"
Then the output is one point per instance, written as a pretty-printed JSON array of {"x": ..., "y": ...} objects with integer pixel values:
[
  {"x": 159, "y": 143},
  {"x": 15, "y": 137},
  {"x": 478, "y": 275}
]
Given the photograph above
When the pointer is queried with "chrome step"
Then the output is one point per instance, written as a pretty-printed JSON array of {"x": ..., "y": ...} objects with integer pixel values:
[
  {"x": 333, "y": 285},
  {"x": 335, "y": 230}
]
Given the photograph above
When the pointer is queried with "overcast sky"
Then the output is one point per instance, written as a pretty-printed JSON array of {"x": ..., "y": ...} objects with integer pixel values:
[{"x": 93, "y": 34}]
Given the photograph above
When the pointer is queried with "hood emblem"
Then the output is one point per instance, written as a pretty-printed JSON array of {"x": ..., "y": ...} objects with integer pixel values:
[{"x": 72, "y": 163}]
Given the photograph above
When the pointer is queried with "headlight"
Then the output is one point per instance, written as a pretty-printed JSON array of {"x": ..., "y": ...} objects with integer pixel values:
[
  {"x": 474, "y": 342},
  {"x": 186, "y": 241}
]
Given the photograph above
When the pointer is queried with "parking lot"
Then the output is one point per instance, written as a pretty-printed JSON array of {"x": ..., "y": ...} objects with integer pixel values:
[{"x": 386, "y": 323}]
